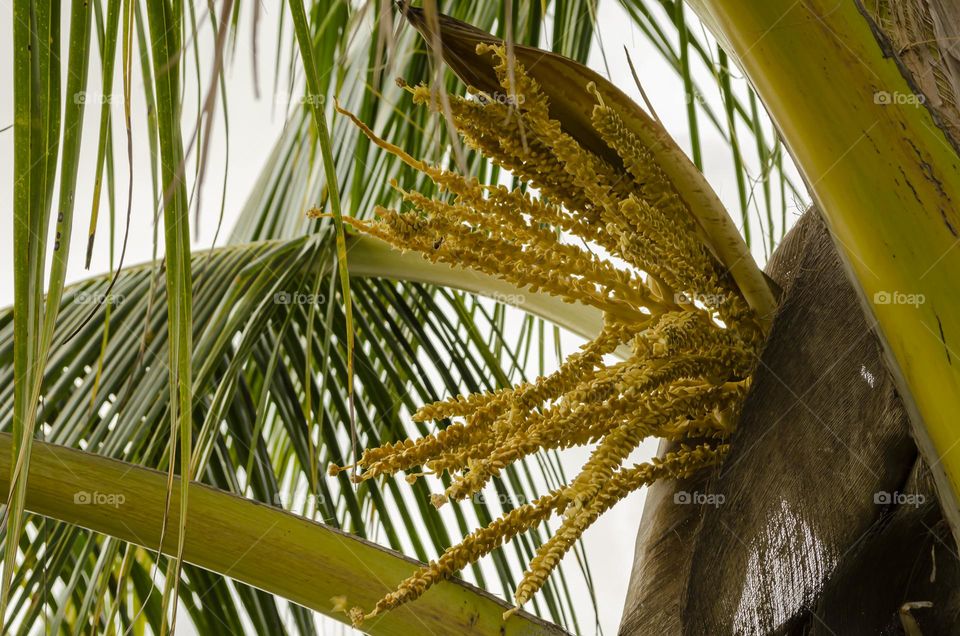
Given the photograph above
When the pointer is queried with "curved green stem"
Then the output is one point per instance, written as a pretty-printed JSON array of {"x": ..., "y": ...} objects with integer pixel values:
[
  {"x": 276, "y": 551},
  {"x": 371, "y": 257},
  {"x": 375, "y": 258}
]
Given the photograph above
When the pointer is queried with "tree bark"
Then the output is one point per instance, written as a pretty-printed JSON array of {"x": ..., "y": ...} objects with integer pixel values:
[{"x": 822, "y": 478}]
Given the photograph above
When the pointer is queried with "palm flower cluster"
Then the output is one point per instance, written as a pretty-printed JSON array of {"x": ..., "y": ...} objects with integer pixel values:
[{"x": 673, "y": 359}]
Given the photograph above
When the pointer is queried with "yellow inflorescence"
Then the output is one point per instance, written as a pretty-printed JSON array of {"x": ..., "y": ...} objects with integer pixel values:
[{"x": 688, "y": 337}]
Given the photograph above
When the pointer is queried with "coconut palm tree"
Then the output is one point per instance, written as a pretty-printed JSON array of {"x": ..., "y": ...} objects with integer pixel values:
[{"x": 790, "y": 404}]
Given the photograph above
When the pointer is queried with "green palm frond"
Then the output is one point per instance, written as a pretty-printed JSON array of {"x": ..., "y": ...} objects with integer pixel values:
[
  {"x": 252, "y": 317},
  {"x": 267, "y": 368}
]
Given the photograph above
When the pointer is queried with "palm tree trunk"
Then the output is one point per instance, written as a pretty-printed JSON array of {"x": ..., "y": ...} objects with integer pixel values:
[{"x": 787, "y": 517}]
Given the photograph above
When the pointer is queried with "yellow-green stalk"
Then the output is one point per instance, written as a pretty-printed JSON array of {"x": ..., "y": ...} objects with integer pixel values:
[{"x": 887, "y": 180}]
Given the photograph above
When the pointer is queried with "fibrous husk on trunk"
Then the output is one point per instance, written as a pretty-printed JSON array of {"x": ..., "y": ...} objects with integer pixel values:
[{"x": 925, "y": 36}]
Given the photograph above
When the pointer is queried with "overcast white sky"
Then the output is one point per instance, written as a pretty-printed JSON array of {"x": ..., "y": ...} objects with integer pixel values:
[{"x": 255, "y": 125}]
